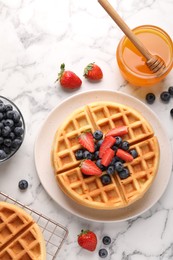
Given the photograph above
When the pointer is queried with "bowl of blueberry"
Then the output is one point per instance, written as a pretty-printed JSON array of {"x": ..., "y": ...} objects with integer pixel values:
[{"x": 12, "y": 129}]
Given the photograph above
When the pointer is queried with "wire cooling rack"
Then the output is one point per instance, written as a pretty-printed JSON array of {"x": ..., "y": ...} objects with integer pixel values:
[{"x": 54, "y": 233}]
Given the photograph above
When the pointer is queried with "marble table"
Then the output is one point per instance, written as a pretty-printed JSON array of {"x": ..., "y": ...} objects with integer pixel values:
[{"x": 36, "y": 37}]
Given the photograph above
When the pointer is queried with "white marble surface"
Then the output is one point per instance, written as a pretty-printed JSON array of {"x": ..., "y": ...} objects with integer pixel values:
[{"x": 35, "y": 38}]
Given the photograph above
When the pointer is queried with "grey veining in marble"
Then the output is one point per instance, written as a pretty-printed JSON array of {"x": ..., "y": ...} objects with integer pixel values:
[{"x": 35, "y": 38}]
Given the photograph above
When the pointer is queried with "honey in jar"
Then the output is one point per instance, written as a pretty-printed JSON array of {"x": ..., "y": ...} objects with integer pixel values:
[{"x": 132, "y": 63}]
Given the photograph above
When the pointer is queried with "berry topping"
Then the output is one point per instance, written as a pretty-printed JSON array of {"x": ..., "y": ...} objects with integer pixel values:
[
  {"x": 134, "y": 153},
  {"x": 87, "y": 141},
  {"x": 107, "y": 157},
  {"x": 79, "y": 154},
  {"x": 105, "y": 179},
  {"x": 124, "y": 174},
  {"x": 103, "y": 253},
  {"x": 106, "y": 240},
  {"x": 127, "y": 157},
  {"x": 107, "y": 143},
  {"x": 118, "y": 141},
  {"x": 118, "y": 131},
  {"x": 88, "y": 155},
  {"x": 150, "y": 98},
  {"x": 110, "y": 169},
  {"x": 98, "y": 135},
  {"x": 119, "y": 166},
  {"x": 88, "y": 167},
  {"x": 23, "y": 185},
  {"x": 87, "y": 240},
  {"x": 101, "y": 166},
  {"x": 125, "y": 145},
  {"x": 165, "y": 96}
]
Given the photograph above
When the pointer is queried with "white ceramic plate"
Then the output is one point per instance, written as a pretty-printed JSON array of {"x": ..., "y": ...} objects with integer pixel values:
[{"x": 45, "y": 172}]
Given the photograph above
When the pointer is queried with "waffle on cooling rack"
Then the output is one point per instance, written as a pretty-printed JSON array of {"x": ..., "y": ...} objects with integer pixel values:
[
  {"x": 20, "y": 236},
  {"x": 89, "y": 191}
]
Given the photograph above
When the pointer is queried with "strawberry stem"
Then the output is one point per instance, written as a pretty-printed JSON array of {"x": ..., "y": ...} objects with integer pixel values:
[
  {"x": 62, "y": 67},
  {"x": 88, "y": 68}
]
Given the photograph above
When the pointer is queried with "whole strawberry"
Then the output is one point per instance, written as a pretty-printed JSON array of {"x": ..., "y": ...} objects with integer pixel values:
[
  {"x": 68, "y": 79},
  {"x": 87, "y": 240},
  {"x": 93, "y": 72}
]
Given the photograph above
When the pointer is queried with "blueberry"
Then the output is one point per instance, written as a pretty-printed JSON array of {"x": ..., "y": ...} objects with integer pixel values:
[
  {"x": 10, "y": 114},
  {"x": 119, "y": 166},
  {"x": 16, "y": 143},
  {"x": 88, "y": 155},
  {"x": 114, "y": 148},
  {"x": 165, "y": 96},
  {"x": 103, "y": 253},
  {"x": 3, "y": 154},
  {"x": 99, "y": 144},
  {"x": 114, "y": 160},
  {"x": 1, "y": 125},
  {"x": 150, "y": 98},
  {"x": 110, "y": 169},
  {"x": 23, "y": 185},
  {"x": 8, "y": 107},
  {"x": 124, "y": 173},
  {"x": 12, "y": 136},
  {"x": 7, "y": 142},
  {"x": 19, "y": 124},
  {"x": 16, "y": 116},
  {"x": 118, "y": 141},
  {"x": 101, "y": 166},
  {"x": 134, "y": 153},
  {"x": 1, "y": 140},
  {"x": 98, "y": 135},
  {"x": 18, "y": 131},
  {"x": 171, "y": 112},
  {"x": 125, "y": 145},
  {"x": 9, "y": 122},
  {"x": 79, "y": 154},
  {"x": 106, "y": 240},
  {"x": 2, "y": 107},
  {"x": 6, "y": 149},
  {"x": 170, "y": 90},
  {"x": 96, "y": 155},
  {"x": 1, "y": 116},
  {"x": 105, "y": 179},
  {"x": 5, "y": 131}
]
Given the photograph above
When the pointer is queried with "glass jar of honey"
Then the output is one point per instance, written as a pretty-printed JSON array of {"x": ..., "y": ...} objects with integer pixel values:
[{"x": 131, "y": 62}]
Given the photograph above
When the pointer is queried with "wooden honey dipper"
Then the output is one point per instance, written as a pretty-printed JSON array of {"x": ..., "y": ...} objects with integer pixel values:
[{"x": 154, "y": 62}]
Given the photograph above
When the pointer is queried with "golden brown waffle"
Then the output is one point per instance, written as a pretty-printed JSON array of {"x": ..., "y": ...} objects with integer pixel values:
[
  {"x": 89, "y": 191},
  {"x": 20, "y": 236}
]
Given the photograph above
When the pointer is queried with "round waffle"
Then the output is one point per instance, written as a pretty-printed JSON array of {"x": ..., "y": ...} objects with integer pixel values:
[
  {"x": 90, "y": 191},
  {"x": 20, "y": 236}
]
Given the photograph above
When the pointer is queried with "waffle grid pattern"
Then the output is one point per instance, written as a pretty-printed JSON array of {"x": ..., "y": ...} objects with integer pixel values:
[
  {"x": 89, "y": 191},
  {"x": 54, "y": 233}
]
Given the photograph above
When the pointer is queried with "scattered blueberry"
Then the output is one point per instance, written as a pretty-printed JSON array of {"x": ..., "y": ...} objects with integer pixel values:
[
  {"x": 165, "y": 96},
  {"x": 98, "y": 135},
  {"x": 23, "y": 184},
  {"x": 103, "y": 253},
  {"x": 114, "y": 160},
  {"x": 99, "y": 144},
  {"x": 170, "y": 90},
  {"x": 96, "y": 155},
  {"x": 125, "y": 145},
  {"x": 105, "y": 179},
  {"x": 110, "y": 169},
  {"x": 114, "y": 148},
  {"x": 106, "y": 240},
  {"x": 150, "y": 98},
  {"x": 171, "y": 112},
  {"x": 124, "y": 173},
  {"x": 134, "y": 153}
]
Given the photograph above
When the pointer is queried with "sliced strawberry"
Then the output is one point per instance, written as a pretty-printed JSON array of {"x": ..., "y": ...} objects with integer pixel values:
[
  {"x": 107, "y": 143},
  {"x": 88, "y": 167},
  {"x": 87, "y": 141},
  {"x": 107, "y": 157},
  {"x": 118, "y": 131},
  {"x": 125, "y": 156}
]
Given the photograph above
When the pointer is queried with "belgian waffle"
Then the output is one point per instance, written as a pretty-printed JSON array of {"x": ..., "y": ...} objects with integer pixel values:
[
  {"x": 20, "y": 236},
  {"x": 89, "y": 191}
]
